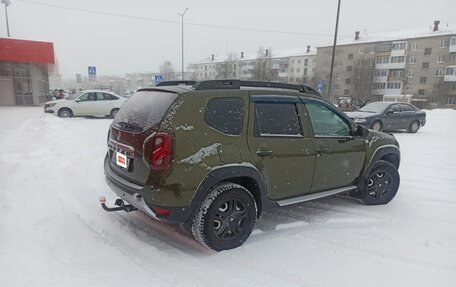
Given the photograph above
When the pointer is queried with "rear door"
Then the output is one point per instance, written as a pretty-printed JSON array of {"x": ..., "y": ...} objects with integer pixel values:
[
  {"x": 105, "y": 103},
  {"x": 281, "y": 148},
  {"x": 408, "y": 114},
  {"x": 339, "y": 156}
]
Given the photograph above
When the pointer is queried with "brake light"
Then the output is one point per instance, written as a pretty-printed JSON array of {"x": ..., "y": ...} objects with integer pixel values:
[{"x": 162, "y": 151}]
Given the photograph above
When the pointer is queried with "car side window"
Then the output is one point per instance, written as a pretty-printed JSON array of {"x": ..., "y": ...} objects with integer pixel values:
[
  {"x": 102, "y": 97},
  {"x": 406, "y": 108},
  {"x": 110, "y": 97},
  {"x": 325, "y": 122},
  {"x": 87, "y": 97},
  {"x": 225, "y": 115},
  {"x": 395, "y": 108},
  {"x": 276, "y": 119}
]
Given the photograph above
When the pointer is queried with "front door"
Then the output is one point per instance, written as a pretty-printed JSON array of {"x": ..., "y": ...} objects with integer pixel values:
[
  {"x": 85, "y": 104},
  {"x": 339, "y": 156},
  {"x": 281, "y": 148},
  {"x": 392, "y": 119}
]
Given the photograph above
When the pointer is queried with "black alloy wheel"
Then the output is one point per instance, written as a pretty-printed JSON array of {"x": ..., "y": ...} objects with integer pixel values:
[
  {"x": 225, "y": 218},
  {"x": 381, "y": 185}
]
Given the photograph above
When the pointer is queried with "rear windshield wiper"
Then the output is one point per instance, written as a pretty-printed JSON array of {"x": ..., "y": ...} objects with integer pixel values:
[{"x": 130, "y": 126}]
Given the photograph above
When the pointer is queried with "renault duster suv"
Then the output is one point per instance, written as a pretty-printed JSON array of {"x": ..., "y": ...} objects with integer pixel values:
[{"x": 215, "y": 155}]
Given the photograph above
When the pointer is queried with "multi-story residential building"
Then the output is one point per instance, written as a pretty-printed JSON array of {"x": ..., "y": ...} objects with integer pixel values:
[
  {"x": 419, "y": 62},
  {"x": 292, "y": 65}
]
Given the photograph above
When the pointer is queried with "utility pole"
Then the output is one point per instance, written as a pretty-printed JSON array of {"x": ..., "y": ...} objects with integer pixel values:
[
  {"x": 334, "y": 51},
  {"x": 7, "y": 3},
  {"x": 182, "y": 16}
]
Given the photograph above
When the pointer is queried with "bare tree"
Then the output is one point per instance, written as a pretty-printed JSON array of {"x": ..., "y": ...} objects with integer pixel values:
[
  {"x": 263, "y": 69},
  {"x": 362, "y": 77},
  {"x": 227, "y": 69},
  {"x": 167, "y": 70}
]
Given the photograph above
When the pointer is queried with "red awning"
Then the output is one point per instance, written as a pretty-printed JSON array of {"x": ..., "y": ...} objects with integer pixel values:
[{"x": 13, "y": 50}]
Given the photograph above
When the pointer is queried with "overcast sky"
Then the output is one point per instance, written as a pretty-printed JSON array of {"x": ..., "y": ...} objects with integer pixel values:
[{"x": 118, "y": 45}]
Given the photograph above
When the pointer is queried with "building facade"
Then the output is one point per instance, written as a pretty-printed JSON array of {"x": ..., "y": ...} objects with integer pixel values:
[
  {"x": 295, "y": 66},
  {"x": 421, "y": 63},
  {"x": 24, "y": 76}
]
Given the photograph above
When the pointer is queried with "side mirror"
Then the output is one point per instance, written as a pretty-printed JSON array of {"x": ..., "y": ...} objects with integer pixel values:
[
  {"x": 389, "y": 112},
  {"x": 361, "y": 131},
  {"x": 77, "y": 100}
]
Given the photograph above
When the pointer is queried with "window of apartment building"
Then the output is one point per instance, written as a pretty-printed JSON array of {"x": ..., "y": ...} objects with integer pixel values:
[
  {"x": 394, "y": 85},
  {"x": 347, "y": 81},
  {"x": 291, "y": 70},
  {"x": 425, "y": 66},
  {"x": 298, "y": 70},
  {"x": 349, "y": 68},
  {"x": 408, "y": 87},
  {"x": 453, "y": 58},
  {"x": 436, "y": 87},
  {"x": 380, "y": 73},
  {"x": 299, "y": 61},
  {"x": 306, "y": 62},
  {"x": 423, "y": 80},
  {"x": 305, "y": 71},
  {"x": 323, "y": 76},
  {"x": 361, "y": 50},
  {"x": 346, "y": 92},
  {"x": 410, "y": 74},
  {"x": 412, "y": 60},
  {"x": 396, "y": 73},
  {"x": 338, "y": 64},
  {"x": 350, "y": 56},
  {"x": 378, "y": 86},
  {"x": 439, "y": 72},
  {"x": 453, "y": 41},
  {"x": 444, "y": 44},
  {"x": 337, "y": 76},
  {"x": 427, "y": 51},
  {"x": 336, "y": 86},
  {"x": 325, "y": 65},
  {"x": 339, "y": 51},
  {"x": 450, "y": 71},
  {"x": 440, "y": 59},
  {"x": 415, "y": 46},
  {"x": 421, "y": 92},
  {"x": 399, "y": 46},
  {"x": 292, "y": 61},
  {"x": 397, "y": 59},
  {"x": 360, "y": 62}
]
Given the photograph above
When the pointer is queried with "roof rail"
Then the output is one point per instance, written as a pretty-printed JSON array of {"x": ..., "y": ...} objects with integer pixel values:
[
  {"x": 237, "y": 84},
  {"x": 176, "y": 83}
]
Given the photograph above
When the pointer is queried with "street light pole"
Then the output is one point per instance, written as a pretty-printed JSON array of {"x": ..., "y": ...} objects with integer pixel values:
[
  {"x": 182, "y": 16},
  {"x": 7, "y": 3},
  {"x": 334, "y": 51}
]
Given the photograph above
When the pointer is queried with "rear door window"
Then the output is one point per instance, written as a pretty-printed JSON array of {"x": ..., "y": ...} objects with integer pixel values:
[
  {"x": 276, "y": 119},
  {"x": 226, "y": 115},
  {"x": 144, "y": 110}
]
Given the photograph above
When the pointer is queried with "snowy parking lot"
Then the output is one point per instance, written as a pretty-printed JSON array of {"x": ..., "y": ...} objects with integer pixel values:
[{"x": 53, "y": 231}]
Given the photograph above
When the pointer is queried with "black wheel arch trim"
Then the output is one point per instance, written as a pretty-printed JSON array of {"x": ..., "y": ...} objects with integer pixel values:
[
  {"x": 381, "y": 152},
  {"x": 225, "y": 173}
]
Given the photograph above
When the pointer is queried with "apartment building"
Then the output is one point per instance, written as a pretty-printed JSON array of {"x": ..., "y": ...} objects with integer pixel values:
[
  {"x": 420, "y": 62},
  {"x": 295, "y": 66}
]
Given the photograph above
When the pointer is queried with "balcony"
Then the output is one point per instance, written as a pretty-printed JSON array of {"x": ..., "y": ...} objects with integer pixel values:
[
  {"x": 452, "y": 47},
  {"x": 450, "y": 74}
]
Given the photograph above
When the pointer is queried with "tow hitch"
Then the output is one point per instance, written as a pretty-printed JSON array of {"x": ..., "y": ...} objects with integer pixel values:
[{"x": 119, "y": 203}]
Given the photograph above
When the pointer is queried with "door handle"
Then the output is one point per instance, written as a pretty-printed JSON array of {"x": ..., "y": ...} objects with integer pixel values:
[
  {"x": 321, "y": 151},
  {"x": 264, "y": 153}
]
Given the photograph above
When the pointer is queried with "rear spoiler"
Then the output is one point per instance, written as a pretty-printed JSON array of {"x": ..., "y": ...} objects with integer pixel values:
[{"x": 176, "y": 83}]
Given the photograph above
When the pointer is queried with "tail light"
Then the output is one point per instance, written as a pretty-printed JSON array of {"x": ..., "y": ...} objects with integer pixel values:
[{"x": 159, "y": 149}]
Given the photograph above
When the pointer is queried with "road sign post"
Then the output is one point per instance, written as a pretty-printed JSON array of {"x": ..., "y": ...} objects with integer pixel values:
[
  {"x": 92, "y": 70},
  {"x": 158, "y": 79}
]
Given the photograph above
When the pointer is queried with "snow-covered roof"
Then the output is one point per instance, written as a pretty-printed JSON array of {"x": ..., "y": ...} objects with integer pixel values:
[
  {"x": 423, "y": 32},
  {"x": 294, "y": 52}
]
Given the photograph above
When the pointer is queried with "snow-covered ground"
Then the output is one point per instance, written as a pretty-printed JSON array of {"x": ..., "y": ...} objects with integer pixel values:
[{"x": 54, "y": 233}]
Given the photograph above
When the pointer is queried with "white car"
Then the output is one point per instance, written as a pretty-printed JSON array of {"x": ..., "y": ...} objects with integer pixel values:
[{"x": 86, "y": 103}]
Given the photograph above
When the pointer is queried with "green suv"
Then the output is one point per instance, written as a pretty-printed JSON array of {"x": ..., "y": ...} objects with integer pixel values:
[{"x": 214, "y": 156}]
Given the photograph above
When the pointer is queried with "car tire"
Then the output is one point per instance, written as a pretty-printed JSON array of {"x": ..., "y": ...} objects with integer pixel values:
[
  {"x": 113, "y": 113},
  {"x": 381, "y": 185},
  {"x": 413, "y": 127},
  {"x": 226, "y": 217},
  {"x": 377, "y": 126},
  {"x": 65, "y": 113}
]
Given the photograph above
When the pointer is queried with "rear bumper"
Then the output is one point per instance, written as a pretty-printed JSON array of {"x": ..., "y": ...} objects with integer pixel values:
[{"x": 135, "y": 195}]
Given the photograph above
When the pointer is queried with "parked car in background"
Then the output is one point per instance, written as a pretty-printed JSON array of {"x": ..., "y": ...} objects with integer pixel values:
[
  {"x": 388, "y": 116},
  {"x": 349, "y": 104},
  {"x": 86, "y": 103}
]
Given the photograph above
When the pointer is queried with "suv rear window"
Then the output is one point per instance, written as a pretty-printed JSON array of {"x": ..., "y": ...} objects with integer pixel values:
[
  {"x": 226, "y": 115},
  {"x": 143, "y": 110}
]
